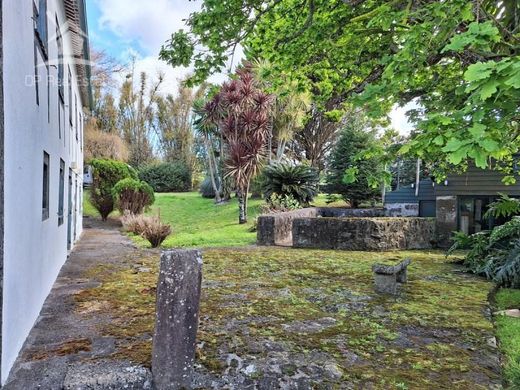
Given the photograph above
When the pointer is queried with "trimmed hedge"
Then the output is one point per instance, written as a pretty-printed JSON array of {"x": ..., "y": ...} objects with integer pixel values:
[
  {"x": 132, "y": 195},
  {"x": 167, "y": 177},
  {"x": 105, "y": 175}
]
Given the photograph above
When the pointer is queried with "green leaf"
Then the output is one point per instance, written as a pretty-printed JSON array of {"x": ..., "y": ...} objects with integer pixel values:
[
  {"x": 488, "y": 89},
  {"x": 478, "y": 71},
  {"x": 453, "y": 145},
  {"x": 489, "y": 145},
  {"x": 439, "y": 140},
  {"x": 477, "y": 130}
]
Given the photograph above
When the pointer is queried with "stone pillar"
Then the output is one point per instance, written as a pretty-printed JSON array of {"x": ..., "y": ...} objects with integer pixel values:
[
  {"x": 177, "y": 316},
  {"x": 446, "y": 221}
]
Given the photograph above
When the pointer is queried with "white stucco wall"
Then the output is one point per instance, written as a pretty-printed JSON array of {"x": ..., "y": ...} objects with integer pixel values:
[{"x": 34, "y": 250}]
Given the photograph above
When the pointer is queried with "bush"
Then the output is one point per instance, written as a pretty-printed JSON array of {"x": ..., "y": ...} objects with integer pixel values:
[
  {"x": 106, "y": 174},
  {"x": 206, "y": 188},
  {"x": 167, "y": 177},
  {"x": 297, "y": 182},
  {"x": 495, "y": 254},
  {"x": 132, "y": 195},
  {"x": 150, "y": 228}
]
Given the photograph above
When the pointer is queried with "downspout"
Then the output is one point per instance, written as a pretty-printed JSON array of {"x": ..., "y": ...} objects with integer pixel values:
[{"x": 2, "y": 129}]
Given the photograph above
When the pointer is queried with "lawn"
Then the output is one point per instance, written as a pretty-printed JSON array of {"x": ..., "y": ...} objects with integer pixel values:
[
  {"x": 508, "y": 333},
  {"x": 199, "y": 222},
  {"x": 310, "y": 319}
]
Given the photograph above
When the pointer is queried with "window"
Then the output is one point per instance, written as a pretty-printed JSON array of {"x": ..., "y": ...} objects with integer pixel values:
[
  {"x": 62, "y": 193},
  {"x": 61, "y": 70},
  {"x": 46, "y": 178},
  {"x": 70, "y": 97},
  {"x": 40, "y": 28}
]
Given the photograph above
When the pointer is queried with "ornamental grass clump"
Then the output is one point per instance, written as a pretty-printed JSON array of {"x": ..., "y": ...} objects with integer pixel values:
[
  {"x": 154, "y": 231},
  {"x": 149, "y": 227}
]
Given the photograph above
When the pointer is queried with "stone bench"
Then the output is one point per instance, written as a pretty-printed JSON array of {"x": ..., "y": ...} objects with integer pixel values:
[{"x": 386, "y": 277}]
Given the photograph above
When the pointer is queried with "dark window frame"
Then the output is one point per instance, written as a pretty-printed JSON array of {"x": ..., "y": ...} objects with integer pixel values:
[
  {"x": 46, "y": 186},
  {"x": 61, "y": 198},
  {"x": 61, "y": 68}
]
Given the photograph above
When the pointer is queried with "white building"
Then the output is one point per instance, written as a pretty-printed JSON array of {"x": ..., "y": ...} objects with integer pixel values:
[{"x": 44, "y": 87}]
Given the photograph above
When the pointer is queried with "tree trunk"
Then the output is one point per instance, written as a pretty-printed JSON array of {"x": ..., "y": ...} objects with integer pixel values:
[
  {"x": 242, "y": 213},
  {"x": 211, "y": 172},
  {"x": 280, "y": 151}
]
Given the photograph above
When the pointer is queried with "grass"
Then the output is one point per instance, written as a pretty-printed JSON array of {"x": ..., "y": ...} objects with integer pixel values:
[
  {"x": 199, "y": 222},
  {"x": 433, "y": 336},
  {"x": 508, "y": 333}
]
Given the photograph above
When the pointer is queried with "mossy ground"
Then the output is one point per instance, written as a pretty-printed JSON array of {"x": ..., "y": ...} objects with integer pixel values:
[{"x": 288, "y": 312}]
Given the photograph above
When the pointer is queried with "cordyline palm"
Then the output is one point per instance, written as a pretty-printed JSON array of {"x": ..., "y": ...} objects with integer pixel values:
[{"x": 241, "y": 112}]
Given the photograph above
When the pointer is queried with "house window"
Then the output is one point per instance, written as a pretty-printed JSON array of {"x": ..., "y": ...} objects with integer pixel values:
[
  {"x": 45, "y": 194},
  {"x": 61, "y": 70},
  {"x": 62, "y": 193},
  {"x": 70, "y": 97},
  {"x": 40, "y": 28}
]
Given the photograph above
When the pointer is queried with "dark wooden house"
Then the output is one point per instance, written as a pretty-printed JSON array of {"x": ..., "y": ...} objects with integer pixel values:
[{"x": 459, "y": 203}]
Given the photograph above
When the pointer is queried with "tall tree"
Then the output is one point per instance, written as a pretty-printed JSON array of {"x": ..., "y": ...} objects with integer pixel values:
[
  {"x": 173, "y": 125},
  {"x": 355, "y": 138},
  {"x": 241, "y": 111},
  {"x": 136, "y": 114},
  {"x": 459, "y": 59}
]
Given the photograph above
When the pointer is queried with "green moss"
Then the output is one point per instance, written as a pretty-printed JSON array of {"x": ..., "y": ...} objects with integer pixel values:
[{"x": 255, "y": 294}]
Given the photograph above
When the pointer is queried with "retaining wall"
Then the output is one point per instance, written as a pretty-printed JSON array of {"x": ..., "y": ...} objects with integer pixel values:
[{"x": 373, "y": 234}]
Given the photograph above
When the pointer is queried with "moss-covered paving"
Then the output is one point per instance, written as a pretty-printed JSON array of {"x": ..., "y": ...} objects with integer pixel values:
[{"x": 310, "y": 318}]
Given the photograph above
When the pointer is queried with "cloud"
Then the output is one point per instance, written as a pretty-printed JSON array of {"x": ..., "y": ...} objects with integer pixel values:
[{"x": 150, "y": 23}]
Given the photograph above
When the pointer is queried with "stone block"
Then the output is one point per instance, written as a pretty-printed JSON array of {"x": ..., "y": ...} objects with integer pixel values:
[{"x": 177, "y": 316}]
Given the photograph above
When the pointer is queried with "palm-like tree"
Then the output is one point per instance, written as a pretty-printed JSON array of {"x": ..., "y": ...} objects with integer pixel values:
[{"x": 241, "y": 111}]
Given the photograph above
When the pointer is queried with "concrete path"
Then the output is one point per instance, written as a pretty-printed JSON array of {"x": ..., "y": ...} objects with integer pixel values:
[{"x": 64, "y": 350}]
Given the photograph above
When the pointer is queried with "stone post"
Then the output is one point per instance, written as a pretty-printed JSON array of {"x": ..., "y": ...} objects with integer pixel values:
[{"x": 177, "y": 316}]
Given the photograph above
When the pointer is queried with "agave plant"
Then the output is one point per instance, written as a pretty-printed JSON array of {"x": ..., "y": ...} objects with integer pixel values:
[
  {"x": 241, "y": 112},
  {"x": 297, "y": 181}
]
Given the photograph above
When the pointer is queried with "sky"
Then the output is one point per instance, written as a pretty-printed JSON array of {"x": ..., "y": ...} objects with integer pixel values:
[{"x": 138, "y": 28}]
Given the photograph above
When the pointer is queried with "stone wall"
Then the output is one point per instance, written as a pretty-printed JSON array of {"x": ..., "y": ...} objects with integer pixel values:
[
  {"x": 376, "y": 234},
  {"x": 276, "y": 229},
  {"x": 402, "y": 209}
]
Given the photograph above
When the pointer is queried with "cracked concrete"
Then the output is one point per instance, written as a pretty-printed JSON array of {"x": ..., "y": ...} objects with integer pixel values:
[{"x": 64, "y": 349}]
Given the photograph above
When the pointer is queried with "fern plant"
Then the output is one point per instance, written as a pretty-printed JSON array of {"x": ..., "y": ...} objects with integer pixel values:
[
  {"x": 495, "y": 254},
  {"x": 298, "y": 182}
]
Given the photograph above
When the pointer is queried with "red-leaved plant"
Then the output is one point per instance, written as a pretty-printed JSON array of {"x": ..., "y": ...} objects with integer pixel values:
[{"x": 241, "y": 111}]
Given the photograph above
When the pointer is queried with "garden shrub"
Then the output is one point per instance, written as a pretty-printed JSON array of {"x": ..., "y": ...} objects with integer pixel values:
[
  {"x": 495, "y": 254},
  {"x": 154, "y": 231},
  {"x": 106, "y": 174},
  {"x": 167, "y": 177},
  {"x": 132, "y": 195},
  {"x": 296, "y": 182},
  {"x": 132, "y": 223},
  {"x": 206, "y": 188},
  {"x": 149, "y": 227}
]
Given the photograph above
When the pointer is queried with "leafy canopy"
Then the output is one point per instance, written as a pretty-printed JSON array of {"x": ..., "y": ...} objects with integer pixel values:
[{"x": 459, "y": 60}]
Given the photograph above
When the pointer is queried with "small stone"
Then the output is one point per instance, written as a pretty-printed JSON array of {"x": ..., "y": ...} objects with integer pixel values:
[
  {"x": 250, "y": 370},
  {"x": 333, "y": 371},
  {"x": 492, "y": 342},
  {"x": 515, "y": 313}
]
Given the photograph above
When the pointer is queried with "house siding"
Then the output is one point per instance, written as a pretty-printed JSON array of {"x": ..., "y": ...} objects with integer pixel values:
[
  {"x": 34, "y": 249},
  {"x": 477, "y": 182}
]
